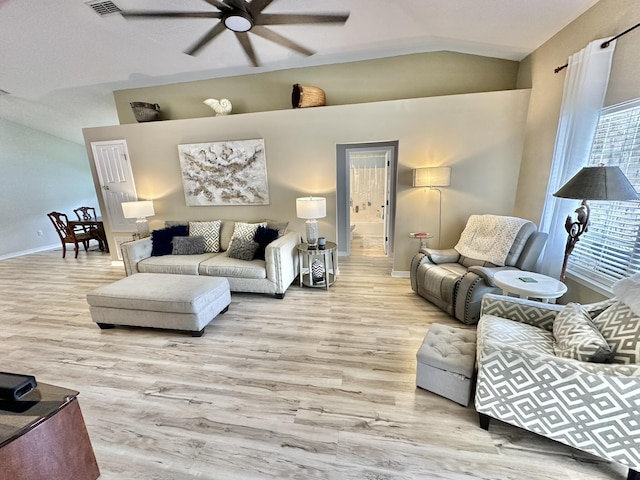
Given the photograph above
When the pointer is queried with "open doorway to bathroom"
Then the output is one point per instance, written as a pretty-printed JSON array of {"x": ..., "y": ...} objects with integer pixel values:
[{"x": 366, "y": 192}]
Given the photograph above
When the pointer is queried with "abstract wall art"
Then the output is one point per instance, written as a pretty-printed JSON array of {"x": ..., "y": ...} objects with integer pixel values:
[{"x": 224, "y": 173}]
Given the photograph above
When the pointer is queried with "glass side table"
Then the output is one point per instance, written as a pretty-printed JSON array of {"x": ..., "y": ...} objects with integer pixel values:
[
  {"x": 317, "y": 267},
  {"x": 422, "y": 237}
]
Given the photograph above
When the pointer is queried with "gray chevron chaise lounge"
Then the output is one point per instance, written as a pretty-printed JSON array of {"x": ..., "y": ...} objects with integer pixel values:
[{"x": 538, "y": 370}]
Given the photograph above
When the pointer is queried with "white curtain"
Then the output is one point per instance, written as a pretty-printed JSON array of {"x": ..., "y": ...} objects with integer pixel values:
[{"x": 585, "y": 86}]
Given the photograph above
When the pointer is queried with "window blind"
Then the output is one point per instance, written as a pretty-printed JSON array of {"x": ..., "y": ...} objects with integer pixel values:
[{"x": 610, "y": 250}]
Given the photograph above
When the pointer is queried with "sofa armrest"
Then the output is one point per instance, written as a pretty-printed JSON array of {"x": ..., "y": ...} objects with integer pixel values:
[
  {"x": 281, "y": 258},
  {"x": 521, "y": 310},
  {"x": 133, "y": 252},
  {"x": 487, "y": 273},
  {"x": 438, "y": 256}
]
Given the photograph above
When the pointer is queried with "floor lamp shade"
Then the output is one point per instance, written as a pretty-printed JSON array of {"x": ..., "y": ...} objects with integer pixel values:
[
  {"x": 432, "y": 177},
  {"x": 311, "y": 208},
  {"x": 598, "y": 183},
  {"x": 139, "y": 210},
  {"x": 591, "y": 183}
]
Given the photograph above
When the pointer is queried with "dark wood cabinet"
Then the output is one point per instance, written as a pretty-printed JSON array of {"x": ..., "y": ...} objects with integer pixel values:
[{"x": 44, "y": 437}]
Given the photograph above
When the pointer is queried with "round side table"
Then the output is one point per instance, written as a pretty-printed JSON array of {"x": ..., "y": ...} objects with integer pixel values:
[
  {"x": 306, "y": 258},
  {"x": 529, "y": 285}
]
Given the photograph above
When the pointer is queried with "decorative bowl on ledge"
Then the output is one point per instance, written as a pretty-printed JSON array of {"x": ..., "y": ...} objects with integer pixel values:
[{"x": 146, "y": 112}]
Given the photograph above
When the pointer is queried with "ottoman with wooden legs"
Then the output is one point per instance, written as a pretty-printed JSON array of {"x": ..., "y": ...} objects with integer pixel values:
[{"x": 159, "y": 300}]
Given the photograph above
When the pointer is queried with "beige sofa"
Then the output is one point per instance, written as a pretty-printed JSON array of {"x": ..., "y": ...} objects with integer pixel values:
[{"x": 273, "y": 275}]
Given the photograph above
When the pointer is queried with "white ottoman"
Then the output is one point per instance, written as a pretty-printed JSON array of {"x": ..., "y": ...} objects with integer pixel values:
[
  {"x": 446, "y": 362},
  {"x": 159, "y": 300}
]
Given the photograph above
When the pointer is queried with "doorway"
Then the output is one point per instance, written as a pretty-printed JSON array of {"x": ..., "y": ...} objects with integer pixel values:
[{"x": 366, "y": 198}]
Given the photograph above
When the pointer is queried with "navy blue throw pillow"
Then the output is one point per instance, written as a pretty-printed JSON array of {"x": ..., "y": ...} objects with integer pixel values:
[
  {"x": 161, "y": 240},
  {"x": 263, "y": 237}
]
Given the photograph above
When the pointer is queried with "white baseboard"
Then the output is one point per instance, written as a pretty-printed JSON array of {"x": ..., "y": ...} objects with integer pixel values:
[
  {"x": 400, "y": 273},
  {"x": 30, "y": 251}
]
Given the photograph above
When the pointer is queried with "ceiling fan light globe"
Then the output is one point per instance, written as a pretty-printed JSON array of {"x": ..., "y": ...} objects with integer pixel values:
[{"x": 238, "y": 22}]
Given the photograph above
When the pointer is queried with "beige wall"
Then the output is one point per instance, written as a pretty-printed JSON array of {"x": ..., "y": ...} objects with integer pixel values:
[
  {"x": 604, "y": 20},
  {"x": 407, "y": 76},
  {"x": 479, "y": 135}
]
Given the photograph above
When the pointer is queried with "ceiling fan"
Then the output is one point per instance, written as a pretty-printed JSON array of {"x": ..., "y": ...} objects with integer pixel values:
[{"x": 242, "y": 18}]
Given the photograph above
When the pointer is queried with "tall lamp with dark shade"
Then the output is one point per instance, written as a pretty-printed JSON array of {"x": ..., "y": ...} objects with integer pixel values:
[
  {"x": 591, "y": 183},
  {"x": 432, "y": 178}
]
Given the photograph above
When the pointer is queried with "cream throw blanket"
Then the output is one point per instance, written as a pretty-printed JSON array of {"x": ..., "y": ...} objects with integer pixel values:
[
  {"x": 489, "y": 237},
  {"x": 627, "y": 291}
]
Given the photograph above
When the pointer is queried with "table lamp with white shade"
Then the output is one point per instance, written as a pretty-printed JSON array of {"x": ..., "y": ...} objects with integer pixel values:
[
  {"x": 311, "y": 208},
  {"x": 139, "y": 210}
]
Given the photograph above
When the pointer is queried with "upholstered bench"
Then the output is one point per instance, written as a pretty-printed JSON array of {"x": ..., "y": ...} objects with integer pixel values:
[
  {"x": 160, "y": 300},
  {"x": 446, "y": 362}
]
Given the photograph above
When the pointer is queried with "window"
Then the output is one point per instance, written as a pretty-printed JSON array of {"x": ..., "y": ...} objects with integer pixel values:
[{"x": 610, "y": 250}]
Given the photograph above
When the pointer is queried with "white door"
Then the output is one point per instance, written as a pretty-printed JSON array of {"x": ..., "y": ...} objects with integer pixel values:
[{"x": 116, "y": 181}]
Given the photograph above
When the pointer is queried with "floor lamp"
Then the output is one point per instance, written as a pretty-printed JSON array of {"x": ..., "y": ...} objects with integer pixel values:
[
  {"x": 591, "y": 183},
  {"x": 433, "y": 177}
]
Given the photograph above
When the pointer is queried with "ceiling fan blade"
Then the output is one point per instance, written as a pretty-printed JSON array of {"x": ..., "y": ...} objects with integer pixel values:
[
  {"x": 257, "y": 6},
  {"x": 280, "y": 40},
  {"x": 244, "y": 40},
  {"x": 294, "y": 18},
  {"x": 210, "y": 35},
  {"x": 239, "y": 4},
  {"x": 218, "y": 4},
  {"x": 165, "y": 14}
]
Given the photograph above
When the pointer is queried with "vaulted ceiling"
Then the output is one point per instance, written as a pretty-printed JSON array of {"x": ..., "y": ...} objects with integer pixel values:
[{"x": 60, "y": 61}]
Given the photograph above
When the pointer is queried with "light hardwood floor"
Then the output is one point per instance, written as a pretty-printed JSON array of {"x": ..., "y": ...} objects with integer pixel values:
[{"x": 320, "y": 385}]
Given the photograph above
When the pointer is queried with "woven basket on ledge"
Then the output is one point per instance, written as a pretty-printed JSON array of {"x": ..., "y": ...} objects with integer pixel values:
[
  {"x": 146, "y": 112},
  {"x": 306, "y": 96}
]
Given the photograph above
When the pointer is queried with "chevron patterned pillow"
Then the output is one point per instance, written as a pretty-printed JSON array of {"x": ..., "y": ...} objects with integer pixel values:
[
  {"x": 620, "y": 326},
  {"x": 211, "y": 233},
  {"x": 245, "y": 231},
  {"x": 578, "y": 338}
]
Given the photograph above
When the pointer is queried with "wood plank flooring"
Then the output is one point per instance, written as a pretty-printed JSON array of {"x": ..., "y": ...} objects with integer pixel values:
[{"x": 320, "y": 385}]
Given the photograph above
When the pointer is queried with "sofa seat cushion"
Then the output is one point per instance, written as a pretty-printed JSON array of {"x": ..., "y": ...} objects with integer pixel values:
[
  {"x": 497, "y": 332},
  {"x": 224, "y": 266},
  {"x": 177, "y": 264}
]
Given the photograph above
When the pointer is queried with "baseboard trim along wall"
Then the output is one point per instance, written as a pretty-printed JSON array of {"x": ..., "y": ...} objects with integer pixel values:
[
  {"x": 30, "y": 251},
  {"x": 400, "y": 273}
]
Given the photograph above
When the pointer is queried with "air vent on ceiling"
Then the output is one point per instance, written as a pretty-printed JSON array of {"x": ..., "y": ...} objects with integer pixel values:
[{"x": 103, "y": 8}]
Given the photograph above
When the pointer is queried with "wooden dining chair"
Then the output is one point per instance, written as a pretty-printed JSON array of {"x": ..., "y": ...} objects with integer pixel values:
[
  {"x": 85, "y": 213},
  {"x": 67, "y": 234},
  {"x": 88, "y": 214}
]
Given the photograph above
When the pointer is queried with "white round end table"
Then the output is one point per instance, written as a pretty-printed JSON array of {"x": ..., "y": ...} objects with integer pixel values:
[{"x": 529, "y": 285}]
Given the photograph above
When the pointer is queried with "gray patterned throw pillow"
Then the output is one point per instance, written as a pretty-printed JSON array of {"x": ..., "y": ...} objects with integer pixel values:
[
  {"x": 621, "y": 328},
  {"x": 245, "y": 231},
  {"x": 211, "y": 233},
  {"x": 578, "y": 338}
]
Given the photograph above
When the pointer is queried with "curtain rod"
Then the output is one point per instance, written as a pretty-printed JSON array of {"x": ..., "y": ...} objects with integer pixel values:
[{"x": 603, "y": 45}]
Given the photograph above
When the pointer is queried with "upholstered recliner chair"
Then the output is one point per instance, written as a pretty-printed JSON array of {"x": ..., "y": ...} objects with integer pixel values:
[
  {"x": 537, "y": 369},
  {"x": 456, "y": 279}
]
